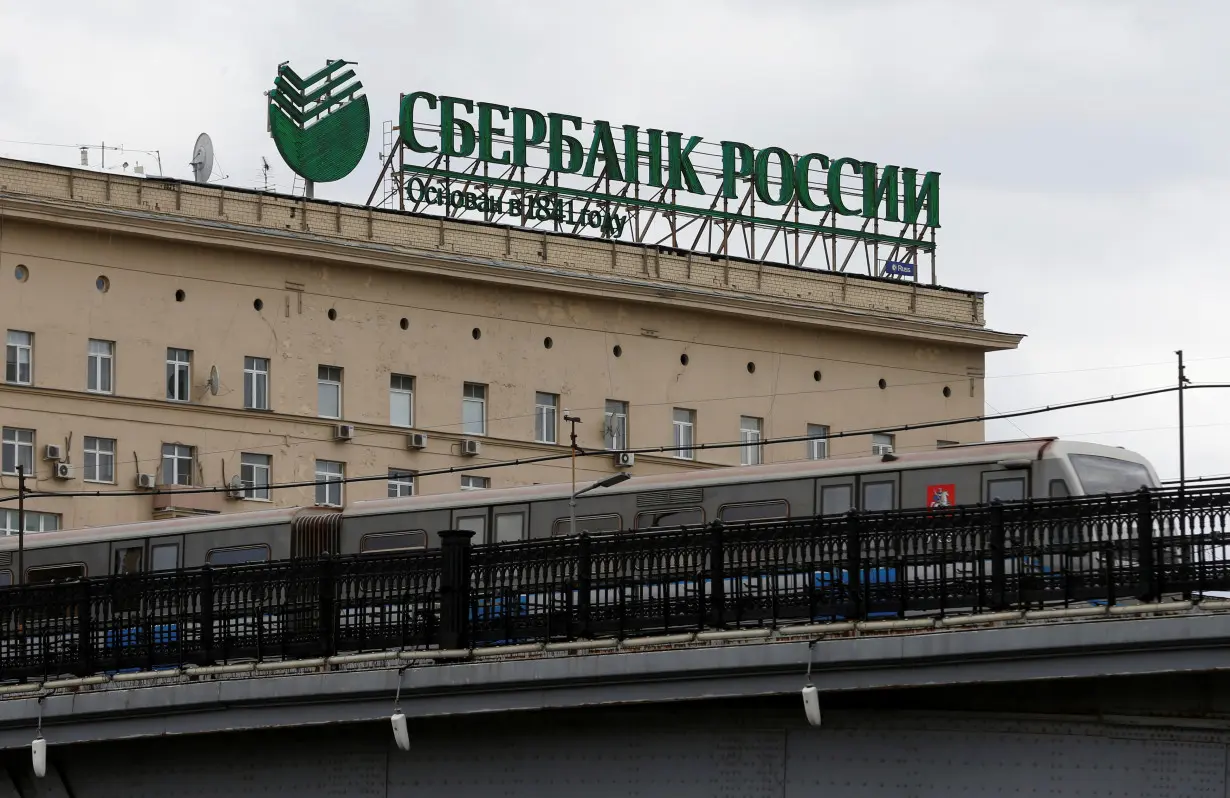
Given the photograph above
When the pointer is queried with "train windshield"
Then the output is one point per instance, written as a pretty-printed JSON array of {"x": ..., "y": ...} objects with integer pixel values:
[{"x": 1109, "y": 475}]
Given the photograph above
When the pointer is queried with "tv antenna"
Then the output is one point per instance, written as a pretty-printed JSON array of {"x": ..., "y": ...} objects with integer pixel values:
[
  {"x": 265, "y": 171},
  {"x": 203, "y": 159}
]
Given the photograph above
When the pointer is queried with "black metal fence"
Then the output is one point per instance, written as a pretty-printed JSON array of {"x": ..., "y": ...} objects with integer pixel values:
[{"x": 902, "y": 564}]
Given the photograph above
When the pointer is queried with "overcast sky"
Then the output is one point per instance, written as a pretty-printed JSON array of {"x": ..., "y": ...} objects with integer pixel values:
[{"x": 1082, "y": 144}]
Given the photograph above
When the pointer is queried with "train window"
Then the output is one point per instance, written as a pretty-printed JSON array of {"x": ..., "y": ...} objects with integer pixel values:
[
  {"x": 509, "y": 527},
  {"x": 878, "y": 496},
  {"x": 836, "y": 499},
  {"x": 592, "y": 524},
  {"x": 1059, "y": 489},
  {"x": 128, "y": 561},
  {"x": 668, "y": 518},
  {"x": 6, "y": 578},
  {"x": 164, "y": 557},
  {"x": 1110, "y": 475},
  {"x": 394, "y": 541},
  {"x": 54, "y": 573},
  {"x": 755, "y": 511},
  {"x": 1006, "y": 490},
  {"x": 238, "y": 555},
  {"x": 476, "y": 524}
]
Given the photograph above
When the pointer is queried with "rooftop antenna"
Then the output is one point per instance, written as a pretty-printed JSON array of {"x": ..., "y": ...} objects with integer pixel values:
[
  {"x": 203, "y": 159},
  {"x": 265, "y": 171}
]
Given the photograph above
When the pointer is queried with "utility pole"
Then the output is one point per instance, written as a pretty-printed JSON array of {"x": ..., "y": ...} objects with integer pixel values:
[
  {"x": 1182, "y": 449},
  {"x": 21, "y": 524},
  {"x": 572, "y": 497}
]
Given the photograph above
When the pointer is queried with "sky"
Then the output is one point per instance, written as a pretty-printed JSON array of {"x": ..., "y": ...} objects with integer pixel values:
[{"x": 1081, "y": 144}]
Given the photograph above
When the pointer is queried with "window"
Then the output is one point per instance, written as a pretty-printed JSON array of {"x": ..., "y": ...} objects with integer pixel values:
[
  {"x": 818, "y": 446},
  {"x": 255, "y": 471},
  {"x": 100, "y": 367},
  {"x": 256, "y": 383},
  {"x": 401, "y": 400},
  {"x": 941, "y": 444},
  {"x": 328, "y": 483},
  {"x": 176, "y": 464},
  {"x": 35, "y": 522},
  {"x": 19, "y": 357},
  {"x": 401, "y": 483},
  {"x": 750, "y": 433},
  {"x": 593, "y": 524},
  {"x": 99, "y": 459},
  {"x": 238, "y": 555},
  {"x": 878, "y": 496},
  {"x": 685, "y": 433},
  {"x": 474, "y": 409},
  {"x": 616, "y": 426},
  {"x": 18, "y": 451},
  {"x": 546, "y": 427},
  {"x": 668, "y": 518},
  {"x": 755, "y": 511},
  {"x": 128, "y": 560},
  {"x": 164, "y": 557},
  {"x": 474, "y": 483},
  {"x": 836, "y": 499},
  {"x": 393, "y": 541},
  {"x": 1006, "y": 490},
  {"x": 1099, "y": 474},
  {"x": 509, "y": 527},
  {"x": 54, "y": 573},
  {"x": 179, "y": 374},
  {"x": 1058, "y": 489},
  {"x": 329, "y": 392},
  {"x": 882, "y": 443}
]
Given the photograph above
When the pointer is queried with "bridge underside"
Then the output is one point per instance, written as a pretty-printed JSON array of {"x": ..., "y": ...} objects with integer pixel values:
[{"x": 1154, "y": 736}]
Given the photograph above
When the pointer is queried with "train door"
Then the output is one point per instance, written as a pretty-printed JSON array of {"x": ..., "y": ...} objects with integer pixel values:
[
  {"x": 474, "y": 519},
  {"x": 511, "y": 523},
  {"x": 135, "y": 556}
]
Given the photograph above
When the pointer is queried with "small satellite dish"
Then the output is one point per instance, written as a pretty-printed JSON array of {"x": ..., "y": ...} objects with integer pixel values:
[
  {"x": 202, "y": 159},
  {"x": 213, "y": 380}
]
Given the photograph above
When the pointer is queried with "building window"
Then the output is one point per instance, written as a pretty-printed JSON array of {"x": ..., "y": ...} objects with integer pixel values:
[
  {"x": 99, "y": 459},
  {"x": 401, "y": 400},
  {"x": 882, "y": 443},
  {"x": 255, "y": 471},
  {"x": 329, "y": 477},
  {"x": 818, "y": 446},
  {"x": 176, "y": 464},
  {"x": 35, "y": 522},
  {"x": 401, "y": 483},
  {"x": 100, "y": 363},
  {"x": 685, "y": 433},
  {"x": 179, "y": 373},
  {"x": 751, "y": 431},
  {"x": 615, "y": 428},
  {"x": 19, "y": 357},
  {"x": 329, "y": 392},
  {"x": 474, "y": 483},
  {"x": 18, "y": 451},
  {"x": 474, "y": 409},
  {"x": 546, "y": 413},
  {"x": 256, "y": 383}
]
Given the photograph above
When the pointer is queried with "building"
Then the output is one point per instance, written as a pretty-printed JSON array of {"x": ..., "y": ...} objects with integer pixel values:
[{"x": 337, "y": 332}]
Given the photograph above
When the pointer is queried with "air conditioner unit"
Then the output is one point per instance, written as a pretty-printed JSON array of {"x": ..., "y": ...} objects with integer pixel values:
[
  {"x": 881, "y": 448},
  {"x": 147, "y": 481},
  {"x": 234, "y": 488},
  {"x": 63, "y": 471},
  {"x": 625, "y": 459},
  {"x": 416, "y": 440},
  {"x": 53, "y": 451},
  {"x": 471, "y": 447},
  {"x": 343, "y": 432}
]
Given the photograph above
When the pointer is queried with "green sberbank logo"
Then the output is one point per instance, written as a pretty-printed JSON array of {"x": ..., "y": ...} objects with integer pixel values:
[{"x": 318, "y": 123}]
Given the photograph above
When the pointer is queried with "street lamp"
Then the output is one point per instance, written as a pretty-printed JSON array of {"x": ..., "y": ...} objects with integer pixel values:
[{"x": 613, "y": 479}]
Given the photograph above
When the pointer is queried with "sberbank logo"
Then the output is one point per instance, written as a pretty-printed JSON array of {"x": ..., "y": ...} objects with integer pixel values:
[{"x": 318, "y": 123}]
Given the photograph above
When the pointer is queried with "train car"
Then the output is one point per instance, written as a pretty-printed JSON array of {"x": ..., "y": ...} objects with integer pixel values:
[{"x": 949, "y": 476}]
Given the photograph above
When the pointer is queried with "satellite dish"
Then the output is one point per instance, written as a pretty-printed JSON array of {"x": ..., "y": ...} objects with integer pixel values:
[
  {"x": 213, "y": 380},
  {"x": 202, "y": 159}
]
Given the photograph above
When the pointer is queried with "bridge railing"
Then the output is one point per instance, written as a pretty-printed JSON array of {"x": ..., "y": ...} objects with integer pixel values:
[{"x": 856, "y": 566}]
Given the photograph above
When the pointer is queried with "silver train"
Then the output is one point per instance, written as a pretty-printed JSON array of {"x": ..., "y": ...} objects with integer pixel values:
[{"x": 955, "y": 475}]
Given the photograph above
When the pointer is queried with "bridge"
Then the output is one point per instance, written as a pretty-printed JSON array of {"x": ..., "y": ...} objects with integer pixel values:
[{"x": 993, "y": 650}]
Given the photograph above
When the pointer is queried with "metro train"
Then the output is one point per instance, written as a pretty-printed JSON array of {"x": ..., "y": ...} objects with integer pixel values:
[{"x": 947, "y": 476}]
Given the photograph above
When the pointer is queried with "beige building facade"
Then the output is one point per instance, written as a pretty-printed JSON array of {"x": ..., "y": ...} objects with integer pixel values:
[{"x": 356, "y": 342}]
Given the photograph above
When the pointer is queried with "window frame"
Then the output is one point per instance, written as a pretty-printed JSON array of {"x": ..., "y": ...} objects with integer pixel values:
[
  {"x": 176, "y": 456},
  {"x": 721, "y": 513},
  {"x": 405, "y": 532},
  {"x": 325, "y": 378},
  {"x": 252, "y": 379},
  {"x": 252, "y": 489},
  {"x": 677, "y": 427},
  {"x": 324, "y": 480},
  {"x": 818, "y": 447},
  {"x": 98, "y": 452},
  {"x": 615, "y": 412},
  {"x": 402, "y": 391},
  {"x": 544, "y": 432},
  {"x": 98, "y": 365},
  {"x": 878, "y": 439},
  {"x": 636, "y": 521},
  {"x": 480, "y": 401},
  {"x": 10, "y": 346},
  {"x": 245, "y": 547},
  {"x": 750, "y": 438},
  {"x": 399, "y": 478},
  {"x": 174, "y": 368},
  {"x": 485, "y": 480},
  {"x": 17, "y": 447},
  {"x": 6, "y": 529}
]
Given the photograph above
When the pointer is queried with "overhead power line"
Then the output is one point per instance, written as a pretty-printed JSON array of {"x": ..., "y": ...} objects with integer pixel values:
[{"x": 642, "y": 450}]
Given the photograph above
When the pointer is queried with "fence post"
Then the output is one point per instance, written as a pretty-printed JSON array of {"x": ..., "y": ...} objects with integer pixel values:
[
  {"x": 327, "y": 607},
  {"x": 455, "y": 588},
  {"x": 585, "y": 585},
  {"x": 854, "y": 564},
  {"x": 997, "y": 544},
  {"x": 717, "y": 577},
  {"x": 1150, "y": 588},
  {"x": 207, "y": 615},
  {"x": 85, "y": 631}
]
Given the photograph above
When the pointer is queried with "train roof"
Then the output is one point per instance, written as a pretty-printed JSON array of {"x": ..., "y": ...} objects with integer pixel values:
[{"x": 956, "y": 455}]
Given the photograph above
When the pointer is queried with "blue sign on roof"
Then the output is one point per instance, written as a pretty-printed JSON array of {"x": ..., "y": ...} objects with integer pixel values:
[{"x": 896, "y": 268}]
